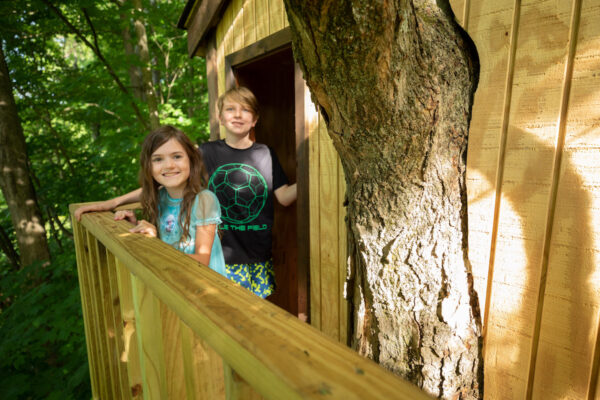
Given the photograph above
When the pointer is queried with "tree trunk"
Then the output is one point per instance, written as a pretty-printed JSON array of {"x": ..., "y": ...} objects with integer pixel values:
[
  {"x": 8, "y": 249},
  {"x": 142, "y": 43},
  {"x": 15, "y": 182},
  {"x": 394, "y": 82},
  {"x": 192, "y": 104},
  {"x": 135, "y": 73}
]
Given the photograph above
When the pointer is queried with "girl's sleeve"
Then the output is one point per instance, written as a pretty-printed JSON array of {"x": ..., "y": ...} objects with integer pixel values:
[{"x": 208, "y": 210}]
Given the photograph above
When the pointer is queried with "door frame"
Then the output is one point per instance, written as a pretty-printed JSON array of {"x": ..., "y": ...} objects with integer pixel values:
[{"x": 262, "y": 48}]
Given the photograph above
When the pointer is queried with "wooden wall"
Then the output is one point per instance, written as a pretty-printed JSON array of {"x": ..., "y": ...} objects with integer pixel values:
[
  {"x": 328, "y": 246},
  {"x": 245, "y": 22},
  {"x": 533, "y": 176}
]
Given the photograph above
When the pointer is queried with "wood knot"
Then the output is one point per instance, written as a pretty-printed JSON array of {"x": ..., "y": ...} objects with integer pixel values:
[{"x": 136, "y": 390}]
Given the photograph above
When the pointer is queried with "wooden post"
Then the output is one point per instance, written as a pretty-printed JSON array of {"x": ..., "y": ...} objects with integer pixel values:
[
  {"x": 131, "y": 354},
  {"x": 90, "y": 337},
  {"x": 103, "y": 365},
  {"x": 236, "y": 387},
  {"x": 116, "y": 323},
  {"x": 107, "y": 320},
  {"x": 203, "y": 368},
  {"x": 149, "y": 329}
]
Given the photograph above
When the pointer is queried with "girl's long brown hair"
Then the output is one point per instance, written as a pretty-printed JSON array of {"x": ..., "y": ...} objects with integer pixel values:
[{"x": 195, "y": 182}]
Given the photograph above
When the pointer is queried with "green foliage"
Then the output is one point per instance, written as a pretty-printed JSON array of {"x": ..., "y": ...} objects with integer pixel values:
[
  {"x": 83, "y": 140},
  {"x": 42, "y": 345}
]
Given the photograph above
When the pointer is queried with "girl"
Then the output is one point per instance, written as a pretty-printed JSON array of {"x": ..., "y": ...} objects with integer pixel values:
[{"x": 174, "y": 198}]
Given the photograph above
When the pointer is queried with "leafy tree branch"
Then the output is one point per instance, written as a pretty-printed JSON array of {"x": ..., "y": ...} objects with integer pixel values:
[{"x": 96, "y": 49}]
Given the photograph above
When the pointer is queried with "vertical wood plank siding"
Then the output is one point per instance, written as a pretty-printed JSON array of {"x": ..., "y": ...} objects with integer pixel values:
[
  {"x": 533, "y": 178},
  {"x": 249, "y": 23},
  {"x": 261, "y": 16},
  {"x": 312, "y": 127},
  {"x": 328, "y": 233}
]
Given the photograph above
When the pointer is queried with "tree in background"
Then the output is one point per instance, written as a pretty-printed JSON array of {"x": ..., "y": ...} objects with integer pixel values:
[
  {"x": 394, "y": 82},
  {"x": 144, "y": 53},
  {"x": 15, "y": 180}
]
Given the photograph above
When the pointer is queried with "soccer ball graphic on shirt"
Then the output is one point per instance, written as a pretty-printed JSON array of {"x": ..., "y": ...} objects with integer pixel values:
[{"x": 241, "y": 190}]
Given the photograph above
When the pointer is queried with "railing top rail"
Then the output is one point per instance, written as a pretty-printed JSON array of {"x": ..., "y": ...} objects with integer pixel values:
[{"x": 276, "y": 353}]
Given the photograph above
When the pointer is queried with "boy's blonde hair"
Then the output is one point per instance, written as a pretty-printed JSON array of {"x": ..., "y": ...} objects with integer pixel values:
[{"x": 241, "y": 95}]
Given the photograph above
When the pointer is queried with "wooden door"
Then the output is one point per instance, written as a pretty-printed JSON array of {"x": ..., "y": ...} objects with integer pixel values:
[{"x": 271, "y": 78}]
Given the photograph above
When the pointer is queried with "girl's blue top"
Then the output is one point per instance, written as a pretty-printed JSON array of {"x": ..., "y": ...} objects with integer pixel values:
[{"x": 205, "y": 211}]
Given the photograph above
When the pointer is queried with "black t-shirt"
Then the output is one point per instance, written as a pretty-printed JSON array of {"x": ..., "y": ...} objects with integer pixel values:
[{"x": 244, "y": 181}]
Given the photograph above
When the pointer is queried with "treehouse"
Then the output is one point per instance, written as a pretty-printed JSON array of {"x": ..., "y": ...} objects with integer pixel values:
[{"x": 533, "y": 181}]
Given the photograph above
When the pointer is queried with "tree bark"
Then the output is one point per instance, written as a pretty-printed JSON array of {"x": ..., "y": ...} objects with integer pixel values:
[
  {"x": 8, "y": 249},
  {"x": 394, "y": 81},
  {"x": 15, "y": 180},
  {"x": 135, "y": 73},
  {"x": 142, "y": 43}
]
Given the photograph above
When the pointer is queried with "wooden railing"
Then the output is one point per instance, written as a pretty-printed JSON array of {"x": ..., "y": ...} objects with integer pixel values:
[{"x": 159, "y": 326}]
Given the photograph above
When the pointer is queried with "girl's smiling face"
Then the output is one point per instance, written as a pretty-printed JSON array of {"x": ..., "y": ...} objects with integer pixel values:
[
  {"x": 237, "y": 118},
  {"x": 171, "y": 167}
]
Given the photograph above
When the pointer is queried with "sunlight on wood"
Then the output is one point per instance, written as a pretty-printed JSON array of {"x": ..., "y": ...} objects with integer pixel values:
[
  {"x": 311, "y": 114},
  {"x": 128, "y": 331},
  {"x": 127, "y": 234}
]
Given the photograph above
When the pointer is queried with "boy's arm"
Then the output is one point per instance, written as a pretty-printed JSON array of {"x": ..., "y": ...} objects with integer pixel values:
[
  {"x": 111, "y": 204},
  {"x": 286, "y": 194}
]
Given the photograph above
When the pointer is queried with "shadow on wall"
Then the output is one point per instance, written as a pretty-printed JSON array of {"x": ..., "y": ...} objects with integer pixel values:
[{"x": 560, "y": 356}]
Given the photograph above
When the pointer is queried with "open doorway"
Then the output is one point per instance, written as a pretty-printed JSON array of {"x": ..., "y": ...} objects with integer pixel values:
[{"x": 272, "y": 76}]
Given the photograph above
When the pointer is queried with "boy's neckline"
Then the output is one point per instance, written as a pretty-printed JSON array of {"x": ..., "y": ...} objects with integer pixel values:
[{"x": 239, "y": 144}]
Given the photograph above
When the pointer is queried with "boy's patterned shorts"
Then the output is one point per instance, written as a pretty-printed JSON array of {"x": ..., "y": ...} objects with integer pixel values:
[{"x": 258, "y": 277}]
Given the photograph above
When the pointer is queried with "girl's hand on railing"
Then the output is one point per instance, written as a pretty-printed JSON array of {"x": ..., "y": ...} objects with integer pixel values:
[
  {"x": 144, "y": 227},
  {"x": 101, "y": 206},
  {"x": 126, "y": 215}
]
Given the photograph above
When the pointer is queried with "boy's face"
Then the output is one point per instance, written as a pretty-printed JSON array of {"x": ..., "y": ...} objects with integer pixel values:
[{"x": 238, "y": 119}]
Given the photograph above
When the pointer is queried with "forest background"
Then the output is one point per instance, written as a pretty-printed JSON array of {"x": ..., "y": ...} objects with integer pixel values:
[{"x": 86, "y": 93}]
